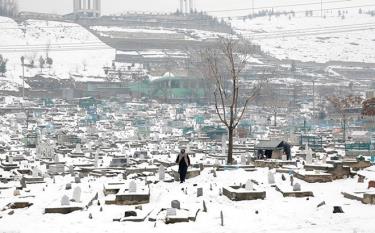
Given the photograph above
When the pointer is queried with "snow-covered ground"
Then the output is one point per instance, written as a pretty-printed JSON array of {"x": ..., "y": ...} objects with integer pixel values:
[
  {"x": 157, "y": 32},
  {"x": 345, "y": 37},
  {"x": 275, "y": 213},
  {"x": 72, "y": 48}
]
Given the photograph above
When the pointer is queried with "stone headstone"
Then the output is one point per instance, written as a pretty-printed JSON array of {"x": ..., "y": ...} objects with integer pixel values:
[
  {"x": 271, "y": 177},
  {"x": 337, "y": 209},
  {"x": 243, "y": 160},
  {"x": 56, "y": 158},
  {"x": 309, "y": 156},
  {"x": 96, "y": 160},
  {"x": 222, "y": 218},
  {"x": 204, "y": 206},
  {"x": 201, "y": 167},
  {"x": 77, "y": 194},
  {"x": 68, "y": 186},
  {"x": 78, "y": 149},
  {"x": 296, "y": 187},
  {"x": 321, "y": 204},
  {"x": 65, "y": 200},
  {"x": 324, "y": 160},
  {"x": 132, "y": 187},
  {"x": 35, "y": 172},
  {"x": 249, "y": 185},
  {"x": 23, "y": 182},
  {"x": 77, "y": 179},
  {"x": 283, "y": 157},
  {"x": 175, "y": 204},
  {"x": 130, "y": 213},
  {"x": 161, "y": 172},
  {"x": 199, "y": 192},
  {"x": 10, "y": 159},
  {"x": 16, "y": 192},
  {"x": 291, "y": 180},
  {"x": 71, "y": 170},
  {"x": 171, "y": 212}
]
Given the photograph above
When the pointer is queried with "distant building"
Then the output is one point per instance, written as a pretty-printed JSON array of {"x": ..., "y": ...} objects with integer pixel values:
[
  {"x": 87, "y": 8},
  {"x": 186, "y": 6},
  {"x": 8, "y": 8}
]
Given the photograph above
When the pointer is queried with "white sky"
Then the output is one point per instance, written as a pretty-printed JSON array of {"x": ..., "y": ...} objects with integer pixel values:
[{"x": 116, "y": 6}]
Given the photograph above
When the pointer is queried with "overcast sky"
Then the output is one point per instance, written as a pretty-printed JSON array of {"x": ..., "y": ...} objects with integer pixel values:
[{"x": 118, "y": 6}]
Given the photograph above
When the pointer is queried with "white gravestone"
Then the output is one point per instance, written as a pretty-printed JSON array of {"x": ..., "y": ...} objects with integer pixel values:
[
  {"x": 249, "y": 185},
  {"x": 243, "y": 160},
  {"x": 309, "y": 156},
  {"x": 65, "y": 200},
  {"x": 161, "y": 172},
  {"x": 271, "y": 177},
  {"x": 171, "y": 212},
  {"x": 132, "y": 187},
  {"x": 78, "y": 149},
  {"x": 35, "y": 172},
  {"x": 283, "y": 157},
  {"x": 96, "y": 158},
  {"x": 77, "y": 194},
  {"x": 56, "y": 158},
  {"x": 296, "y": 187}
]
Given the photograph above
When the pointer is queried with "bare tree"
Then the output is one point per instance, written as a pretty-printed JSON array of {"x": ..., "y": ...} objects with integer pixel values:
[
  {"x": 224, "y": 64},
  {"x": 342, "y": 105},
  {"x": 272, "y": 100}
]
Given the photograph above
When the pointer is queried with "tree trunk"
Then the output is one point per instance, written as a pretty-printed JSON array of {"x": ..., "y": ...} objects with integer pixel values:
[
  {"x": 230, "y": 146},
  {"x": 275, "y": 116},
  {"x": 344, "y": 129}
]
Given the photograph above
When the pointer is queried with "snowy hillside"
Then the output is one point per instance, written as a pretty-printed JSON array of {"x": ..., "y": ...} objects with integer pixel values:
[
  {"x": 72, "y": 48},
  {"x": 338, "y": 35}
]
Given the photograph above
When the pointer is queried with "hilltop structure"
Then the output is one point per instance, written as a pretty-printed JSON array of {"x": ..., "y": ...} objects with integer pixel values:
[{"x": 87, "y": 8}]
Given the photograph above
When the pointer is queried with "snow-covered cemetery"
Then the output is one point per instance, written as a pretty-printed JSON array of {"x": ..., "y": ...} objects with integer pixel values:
[{"x": 187, "y": 116}]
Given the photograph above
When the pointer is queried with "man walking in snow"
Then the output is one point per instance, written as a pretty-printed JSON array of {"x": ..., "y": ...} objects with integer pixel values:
[{"x": 183, "y": 162}]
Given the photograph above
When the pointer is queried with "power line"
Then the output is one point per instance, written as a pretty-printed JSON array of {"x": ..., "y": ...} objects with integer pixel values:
[
  {"x": 276, "y": 6},
  {"x": 303, "y": 11},
  {"x": 314, "y": 29},
  {"x": 310, "y": 32}
]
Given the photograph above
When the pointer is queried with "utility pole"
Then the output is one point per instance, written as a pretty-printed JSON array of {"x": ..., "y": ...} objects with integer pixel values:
[
  {"x": 321, "y": 8},
  {"x": 252, "y": 5},
  {"x": 313, "y": 98},
  {"x": 23, "y": 77}
]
